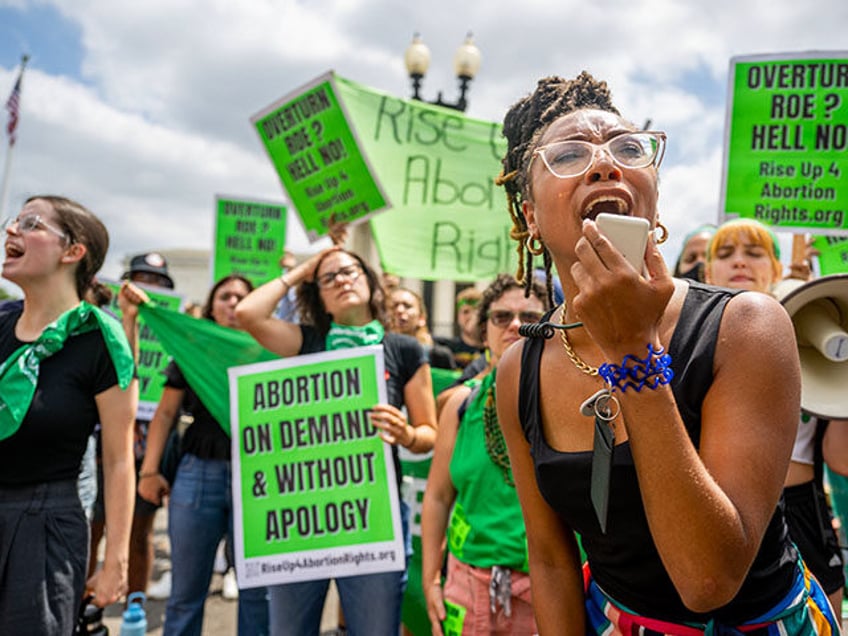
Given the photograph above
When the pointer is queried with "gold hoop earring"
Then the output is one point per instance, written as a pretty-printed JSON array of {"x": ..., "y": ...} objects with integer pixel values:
[
  {"x": 663, "y": 237},
  {"x": 535, "y": 250}
]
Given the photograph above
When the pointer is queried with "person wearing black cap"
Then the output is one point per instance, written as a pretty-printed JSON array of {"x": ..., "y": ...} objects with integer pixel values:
[{"x": 149, "y": 269}]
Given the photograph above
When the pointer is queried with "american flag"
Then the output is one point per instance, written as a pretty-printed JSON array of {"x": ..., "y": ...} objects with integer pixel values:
[{"x": 13, "y": 106}]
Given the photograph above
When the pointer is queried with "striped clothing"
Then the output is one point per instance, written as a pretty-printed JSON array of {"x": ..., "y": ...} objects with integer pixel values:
[{"x": 804, "y": 611}]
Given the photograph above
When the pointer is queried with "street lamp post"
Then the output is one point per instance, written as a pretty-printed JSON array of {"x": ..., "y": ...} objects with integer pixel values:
[
  {"x": 439, "y": 295},
  {"x": 466, "y": 63}
]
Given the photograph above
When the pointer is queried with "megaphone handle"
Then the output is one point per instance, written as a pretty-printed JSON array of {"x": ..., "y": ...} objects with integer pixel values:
[{"x": 817, "y": 326}]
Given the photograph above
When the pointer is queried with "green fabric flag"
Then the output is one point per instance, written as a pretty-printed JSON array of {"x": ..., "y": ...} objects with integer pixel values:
[
  {"x": 448, "y": 218},
  {"x": 347, "y": 336},
  {"x": 204, "y": 351},
  {"x": 19, "y": 372}
]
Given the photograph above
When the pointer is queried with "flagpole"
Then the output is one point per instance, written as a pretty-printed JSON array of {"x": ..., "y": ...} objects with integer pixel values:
[{"x": 4, "y": 188}]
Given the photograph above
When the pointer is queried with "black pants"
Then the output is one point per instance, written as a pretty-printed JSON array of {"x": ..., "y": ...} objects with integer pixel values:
[
  {"x": 810, "y": 525},
  {"x": 43, "y": 557}
]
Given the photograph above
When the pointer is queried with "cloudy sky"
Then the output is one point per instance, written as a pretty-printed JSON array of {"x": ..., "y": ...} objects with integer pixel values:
[{"x": 141, "y": 110}]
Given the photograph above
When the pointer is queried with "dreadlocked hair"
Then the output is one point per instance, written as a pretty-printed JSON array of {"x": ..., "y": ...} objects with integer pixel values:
[{"x": 524, "y": 124}]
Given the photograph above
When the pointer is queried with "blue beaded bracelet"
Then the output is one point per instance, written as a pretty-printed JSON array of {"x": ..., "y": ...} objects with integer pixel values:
[{"x": 652, "y": 371}]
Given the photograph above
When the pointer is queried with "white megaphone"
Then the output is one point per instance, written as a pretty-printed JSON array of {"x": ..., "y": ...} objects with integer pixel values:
[{"x": 819, "y": 312}]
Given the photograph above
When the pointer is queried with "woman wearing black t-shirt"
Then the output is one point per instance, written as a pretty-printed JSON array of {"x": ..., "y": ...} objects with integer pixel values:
[
  {"x": 341, "y": 305},
  {"x": 64, "y": 366},
  {"x": 200, "y": 508},
  {"x": 673, "y": 480}
]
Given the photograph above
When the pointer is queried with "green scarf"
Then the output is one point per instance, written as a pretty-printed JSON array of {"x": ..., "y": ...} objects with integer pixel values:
[
  {"x": 347, "y": 336},
  {"x": 19, "y": 372}
]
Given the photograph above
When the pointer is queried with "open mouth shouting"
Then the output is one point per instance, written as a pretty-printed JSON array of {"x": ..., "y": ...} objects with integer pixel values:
[{"x": 607, "y": 203}]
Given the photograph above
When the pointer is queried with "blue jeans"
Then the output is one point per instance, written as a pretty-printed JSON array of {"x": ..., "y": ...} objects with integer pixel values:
[
  {"x": 199, "y": 515},
  {"x": 371, "y": 602}
]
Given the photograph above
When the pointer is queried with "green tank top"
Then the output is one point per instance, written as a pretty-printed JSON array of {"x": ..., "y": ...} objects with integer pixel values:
[{"x": 486, "y": 527}]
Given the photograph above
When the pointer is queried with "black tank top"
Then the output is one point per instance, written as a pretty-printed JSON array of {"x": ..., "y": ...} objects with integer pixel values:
[{"x": 624, "y": 561}]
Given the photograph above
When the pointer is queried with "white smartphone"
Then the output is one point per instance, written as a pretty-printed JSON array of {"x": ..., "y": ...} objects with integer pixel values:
[{"x": 628, "y": 234}]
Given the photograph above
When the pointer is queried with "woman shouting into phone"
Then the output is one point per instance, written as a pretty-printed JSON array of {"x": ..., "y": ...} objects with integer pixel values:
[{"x": 658, "y": 425}]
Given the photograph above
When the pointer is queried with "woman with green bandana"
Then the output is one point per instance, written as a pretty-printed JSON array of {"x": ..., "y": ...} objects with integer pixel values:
[
  {"x": 342, "y": 305},
  {"x": 64, "y": 366}
]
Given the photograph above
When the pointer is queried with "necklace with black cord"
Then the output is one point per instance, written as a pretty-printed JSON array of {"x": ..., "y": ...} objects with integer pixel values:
[
  {"x": 602, "y": 405},
  {"x": 636, "y": 373}
]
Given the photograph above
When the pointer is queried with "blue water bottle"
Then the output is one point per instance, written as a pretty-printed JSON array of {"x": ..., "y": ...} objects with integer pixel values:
[{"x": 135, "y": 620}]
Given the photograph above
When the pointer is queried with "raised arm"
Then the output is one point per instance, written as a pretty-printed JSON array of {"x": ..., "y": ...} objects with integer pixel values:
[
  {"x": 255, "y": 311},
  {"x": 129, "y": 298},
  {"x": 707, "y": 509},
  {"x": 439, "y": 497},
  {"x": 116, "y": 409},
  {"x": 555, "y": 569},
  {"x": 749, "y": 421}
]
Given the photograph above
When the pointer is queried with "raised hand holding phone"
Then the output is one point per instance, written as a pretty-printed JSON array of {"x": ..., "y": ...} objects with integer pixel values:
[{"x": 628, "y": 234}]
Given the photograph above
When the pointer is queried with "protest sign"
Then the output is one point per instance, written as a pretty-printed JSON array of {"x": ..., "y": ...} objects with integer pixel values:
[
  {"x": 318, "y": 158},
  {"x": 152, "y": 357},
  {"x": 832, "y": 254},
  {"x": 314, "y": 487},
  {"x": 449, "y": 220},
  {"x": 786, "y": 147},
  {"x": 250, "y": 237},
  {"x": 415, "y": 467}
]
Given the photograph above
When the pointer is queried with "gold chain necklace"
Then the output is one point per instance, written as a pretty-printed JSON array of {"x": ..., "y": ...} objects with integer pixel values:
[{"x": 569, "y": 350}]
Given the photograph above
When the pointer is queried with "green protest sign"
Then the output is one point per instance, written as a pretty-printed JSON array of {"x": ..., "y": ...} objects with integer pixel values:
[
  {"x": 152, "y": 357},
  {"x": 833, "y": 254},
  {"x": 454, "y": 622},
  {"x": 415, "y": 468},
  {"x": 250, "y": 237},
  {"x": 318, "y": 158},
  {"x": 314, "y": 487},
  {"x": 448, "y": 219},
  {"x": 786, "y": 150}
]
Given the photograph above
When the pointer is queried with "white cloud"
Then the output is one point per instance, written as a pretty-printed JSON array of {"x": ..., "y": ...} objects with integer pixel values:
[{"x": 159, "y": 121}]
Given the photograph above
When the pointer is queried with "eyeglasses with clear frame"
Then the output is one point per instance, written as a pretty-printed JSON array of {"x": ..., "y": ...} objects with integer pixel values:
[
  {"x": 31, "y": 222},
  {"x": 503, "y": 318},
  {"x": 348, "y": 274},
  {"x": 573, "y": 157}
]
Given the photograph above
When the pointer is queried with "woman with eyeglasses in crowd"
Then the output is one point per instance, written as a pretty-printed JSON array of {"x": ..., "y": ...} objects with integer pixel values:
[
  {"x": 471, "y": 494},
  {"x": 64, "y": 367},
  {"x": 200, "y": 511},
  {"x": 342, "y": 305},
  {"x": 673, "y": 472}
]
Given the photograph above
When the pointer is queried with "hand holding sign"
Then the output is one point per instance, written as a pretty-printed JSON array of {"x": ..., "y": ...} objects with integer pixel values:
[{"x": 393, "y": 425}]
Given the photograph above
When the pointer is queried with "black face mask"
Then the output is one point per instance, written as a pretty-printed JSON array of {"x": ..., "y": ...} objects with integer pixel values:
[{"x": 695, "y": 273}]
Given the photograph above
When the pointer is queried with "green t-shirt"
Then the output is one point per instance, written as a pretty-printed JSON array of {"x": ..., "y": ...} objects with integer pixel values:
[{"x": 486, "y": 527}]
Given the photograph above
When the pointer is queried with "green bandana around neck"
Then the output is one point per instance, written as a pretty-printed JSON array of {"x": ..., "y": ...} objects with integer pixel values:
[
  {"x": 19, "y": 372},
  {"x": 347, "y": 336}
]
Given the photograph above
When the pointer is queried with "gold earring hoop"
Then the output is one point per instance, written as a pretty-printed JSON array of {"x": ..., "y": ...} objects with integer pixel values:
[
  {"x": 663, "y": 237},
  {"x": 535, "y": 250}
]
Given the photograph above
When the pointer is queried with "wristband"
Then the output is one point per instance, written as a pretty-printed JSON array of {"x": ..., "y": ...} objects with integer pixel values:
[
  {"x": 286, "y": 283},
  {"x": 652, "y": 371}
]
